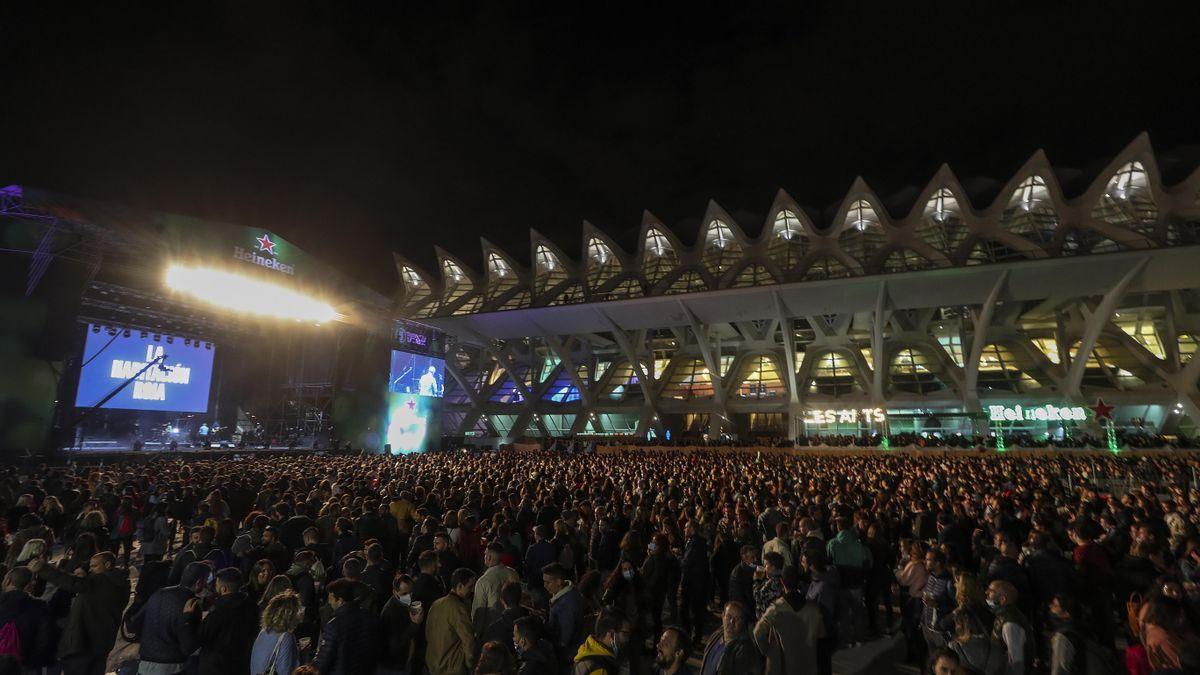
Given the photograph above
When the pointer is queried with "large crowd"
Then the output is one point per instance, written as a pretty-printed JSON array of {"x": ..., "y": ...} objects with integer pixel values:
[{"x": 537, "y": 563}]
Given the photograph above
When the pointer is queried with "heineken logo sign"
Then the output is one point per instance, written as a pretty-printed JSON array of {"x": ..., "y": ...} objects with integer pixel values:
[
  {"x": 263, "y": 255},
  {"x": 1037, "y": 413}
]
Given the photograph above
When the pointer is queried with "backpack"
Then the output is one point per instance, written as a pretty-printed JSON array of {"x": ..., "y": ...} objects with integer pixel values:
[
  {"x": 147, "y": 532},
  {"x": 10, "y": 641}
]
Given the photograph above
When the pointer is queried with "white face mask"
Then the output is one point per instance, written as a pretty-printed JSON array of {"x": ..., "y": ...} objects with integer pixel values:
[
  {"x": 628, "y": 574},
  {"x": 653, "y": 547},
  {"x": 405, "y": 599}
]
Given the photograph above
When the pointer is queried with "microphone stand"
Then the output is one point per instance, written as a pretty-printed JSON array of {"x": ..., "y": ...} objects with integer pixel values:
[{"x": 157, "y": 361}]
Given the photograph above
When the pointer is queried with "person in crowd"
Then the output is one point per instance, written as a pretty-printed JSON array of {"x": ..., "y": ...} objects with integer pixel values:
[
  {"x": 155, "y": 533},
  {"x": 671, "y": 652},
  {"x": 943, "y": 661},
  {"x": 485, "y": 605},
  {"x": 511, "y": 611},
  {"x": 399, "y": 623},
  {"x": 30, "y": 617},
  {"x": 695, "y": 580},
  {"x": 788, "y": 632},
  {"x": 1011, "y": 628},
  {"x": 261, "y": 574},
  {"x": 535, "y": 654},
  {"x": 95, "y": 614},
  {"x": 227, "y": 632},
  {"x": 658, "y": 569},
  {"x": 741, "y": 578},
  {"x": 1168, "y": 628},
  {"x": 731, "y": 649},
  {"x": 168, "y": 624},
  {"x": 564, "y": 624},
  {"x": 451, "y": 648},
  {"x": 600, "y": 653},
  {"x": 1068, "y": 641},
  {"x": 972, "y": 643},
  {"x": 350, "y": 638},
  {"x": 275, "y": 648},
  {"x": 199, "y": 548},
  {"x": 496, "y": 658},
  {"x": 824, "y": 591}
]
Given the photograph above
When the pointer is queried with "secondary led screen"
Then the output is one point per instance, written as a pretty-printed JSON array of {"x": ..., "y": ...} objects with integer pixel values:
[
  {"x": 416, "y": 374},
  {"x": 181, "y": 384}
]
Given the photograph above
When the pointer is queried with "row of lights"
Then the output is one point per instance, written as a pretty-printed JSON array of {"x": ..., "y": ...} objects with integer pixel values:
[{"x": 157, "y": 337}]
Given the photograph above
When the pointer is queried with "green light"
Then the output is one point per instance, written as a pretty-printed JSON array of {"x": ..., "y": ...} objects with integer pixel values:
[{"x": 1111, "y": 429}]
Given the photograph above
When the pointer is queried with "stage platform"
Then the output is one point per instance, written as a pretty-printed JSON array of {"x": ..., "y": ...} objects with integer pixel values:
[{"x": 128, "y": 454}]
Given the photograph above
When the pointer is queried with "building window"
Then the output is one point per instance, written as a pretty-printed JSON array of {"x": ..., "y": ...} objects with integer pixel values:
[
  {"x": 1030, "y": 213},
  {"x": 911, "y": 372},
  {"x": 788, "y": 243},
  {"x": 500, "y": 276},
  {"x": 658, "y": 257},
  {"x": 833, "y": 375},
  {"x": 548, "y": 270},
  {"x": 689, "y": 281},
  {"x": 862, "y": 235},
  {"x": 602, "y": 265},
  {"x": 753, "y": 275},
  {"x": 826, "y": 268},
  {"x": 689, "y": 379},
  {"x": 941, "y": 225},
  {"x": 721, "y": 249},
  {"x": 760, "y": 379}
]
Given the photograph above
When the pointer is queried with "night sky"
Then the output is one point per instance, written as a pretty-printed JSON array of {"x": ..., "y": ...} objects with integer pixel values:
[{"x": 401, "y": 125}]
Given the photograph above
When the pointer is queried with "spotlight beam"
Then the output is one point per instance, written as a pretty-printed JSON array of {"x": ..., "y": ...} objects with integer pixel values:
[{"x": 240, "y": 293}]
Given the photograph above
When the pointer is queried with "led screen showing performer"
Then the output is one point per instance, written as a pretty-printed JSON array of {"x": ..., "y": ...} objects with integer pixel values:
[{"x": 416, "y": 374}]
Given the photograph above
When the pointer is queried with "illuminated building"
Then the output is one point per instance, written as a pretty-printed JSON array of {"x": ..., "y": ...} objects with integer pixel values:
[{"x": 1040, "y": 292}]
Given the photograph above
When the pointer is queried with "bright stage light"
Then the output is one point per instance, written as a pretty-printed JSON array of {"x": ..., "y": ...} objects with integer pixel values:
[{"x": 239, "y": 293}]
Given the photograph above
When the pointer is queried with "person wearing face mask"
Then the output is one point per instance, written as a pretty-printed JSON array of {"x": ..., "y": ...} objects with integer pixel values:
[
  {"x": 601, "y": 652},
  {"x": 657, "y": 571},
  {"x": 1010, "y": 627},
  {"x": 534, "y": 652},
  {"x": 399, "y": 623},
  {"x": 625, "y": 593}
]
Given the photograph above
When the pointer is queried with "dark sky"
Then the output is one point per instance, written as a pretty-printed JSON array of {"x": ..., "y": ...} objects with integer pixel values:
[{"x": 395, "y": 126}]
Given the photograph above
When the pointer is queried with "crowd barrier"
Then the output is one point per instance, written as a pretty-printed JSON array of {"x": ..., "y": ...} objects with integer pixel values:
[{"x": 856, "y": 451}]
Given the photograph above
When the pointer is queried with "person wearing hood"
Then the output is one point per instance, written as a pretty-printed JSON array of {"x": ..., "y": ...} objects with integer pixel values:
[
  {"x": 600, "y": 653},
  {"x": 228, "y": 631},
  {"x": 534, "y": 652},
  {"x": 31, "y": 618},
  {"x": 95, "y": 615}
]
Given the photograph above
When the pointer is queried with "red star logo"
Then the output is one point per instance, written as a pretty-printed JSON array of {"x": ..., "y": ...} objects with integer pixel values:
[
  {"x": 1102, "y": 411},
  {"x": 265, "y": 244},
  {"x": 411, "y": 404}
]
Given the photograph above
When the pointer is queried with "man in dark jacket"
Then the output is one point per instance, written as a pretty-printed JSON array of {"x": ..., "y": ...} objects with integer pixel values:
[
  {"x": 694, "y": 585},
  {"x": 564, "y": 626},
  {"x": 741, "y": 579},
  {"x": 534, "y": 651},
  {"x": 348, "y": 640},
  {"x": 731, "y": 650},
  {"x": 537, "y": 556},
  {"x": 95, "y": 615},
  {"x": 31, "y": 617},
  {"x": 199, "y": 547},
  {"x": 169, "y": 623},
  {"x": 227, "y": 633},
  {"x": 399, "y": 625},
  {"x": 511, "y": 612}
]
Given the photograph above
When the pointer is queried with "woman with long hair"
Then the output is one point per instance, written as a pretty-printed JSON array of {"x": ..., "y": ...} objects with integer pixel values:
[
  {"x": 276, "y": 648},
  {"x": 53, "y": 515},
  {"x": 261, "y": 574},
  {"x": 278, "y": 585}
]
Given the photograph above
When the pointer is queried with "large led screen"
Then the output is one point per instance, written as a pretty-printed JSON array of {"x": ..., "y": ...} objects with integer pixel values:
[
  {"x": 414, "y": 422},
  {"x": 416, "y": 374},
  {"x": 180, "y": 384}
]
